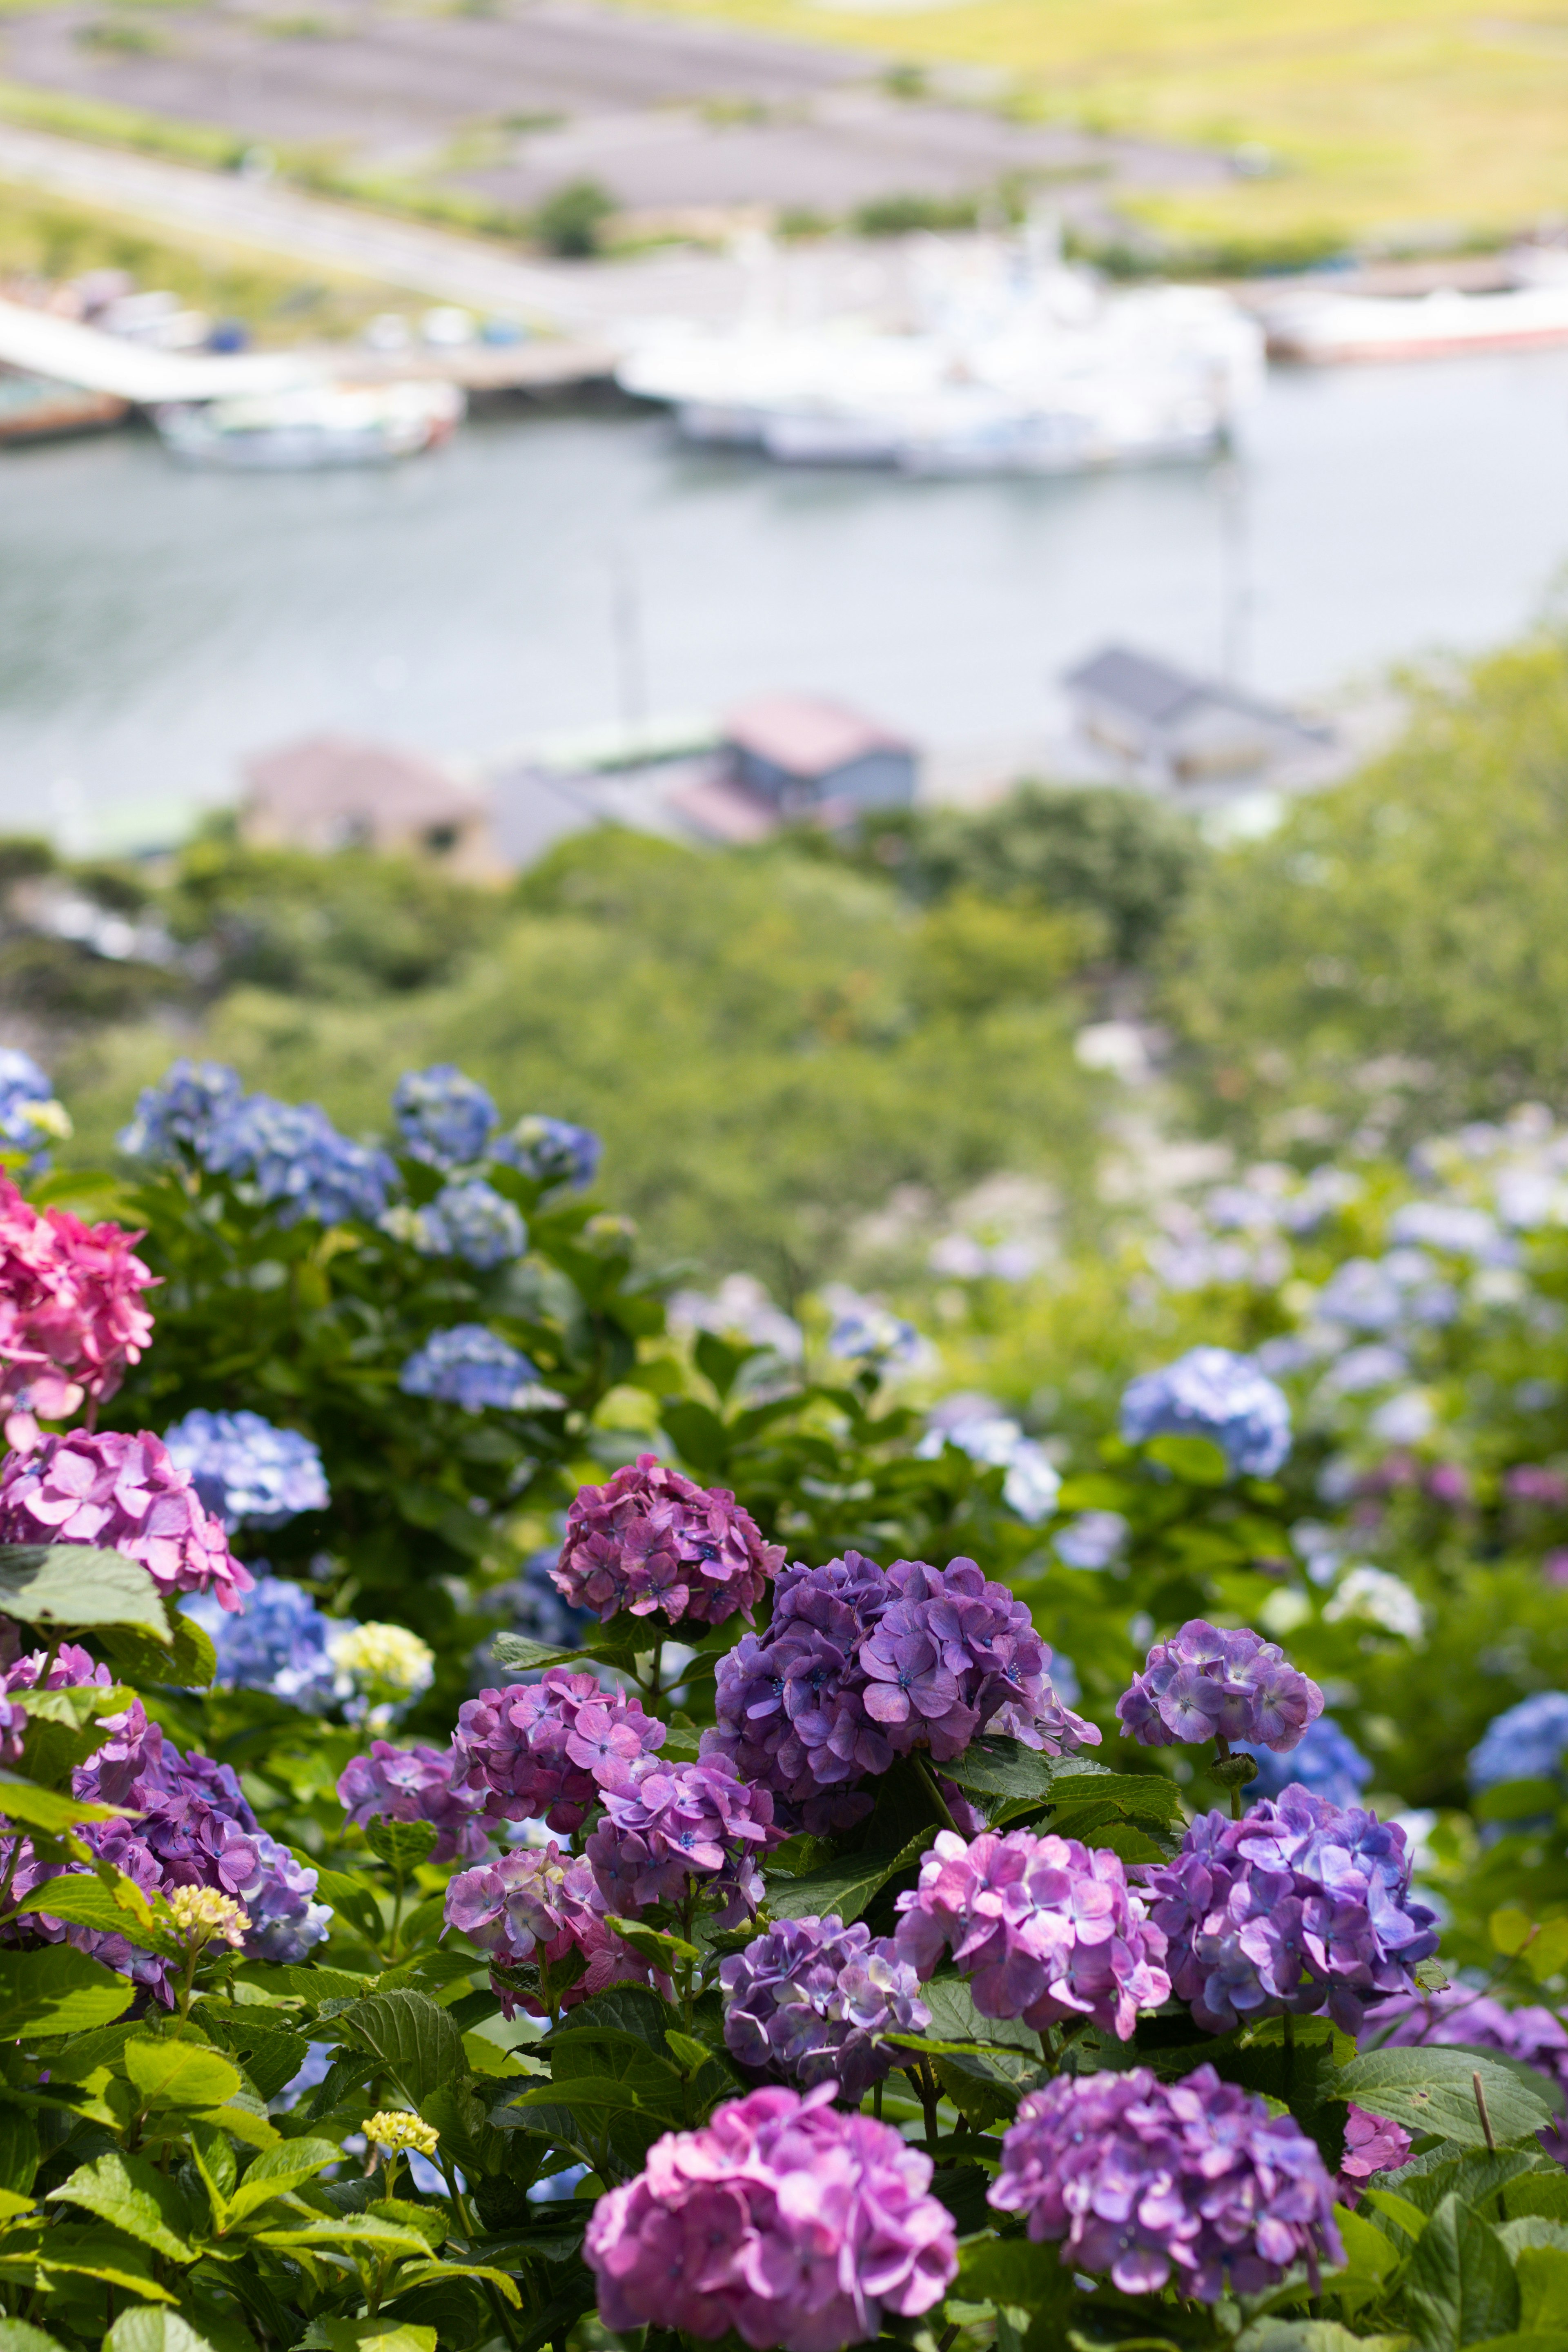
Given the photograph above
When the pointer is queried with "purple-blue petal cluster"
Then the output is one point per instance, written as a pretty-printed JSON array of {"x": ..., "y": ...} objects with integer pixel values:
[
  {"x": 179, "y": 1114},
  {"x": 296, "y": 1160},
  {"x": 549, "y": 1150},
  {"x": 470, "y": 1365},
  {"x": 1526, "y": 1742},
  {"x": 444, "y": 1116},
  {"x": 1325, "y": 1761},
  {"x": 674, "y": 1828},
  {"x": 246, "y": 1471},
  {"x": 807, "y": 2002},
  {"x": 277, "y": 1642},
  {"x": 1212, "y": 1392},
  {"x": 1204, "y": 1683},
  {"x": 417, "y": 1784},
  {"x": 471, "y": 1221}
]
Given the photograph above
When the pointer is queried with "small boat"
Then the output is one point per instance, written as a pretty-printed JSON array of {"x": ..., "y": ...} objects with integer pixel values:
[
  {"x": 1325, "y": 329},
  {"x": 32, "y": 408},
  {"x": 325, "y": 424}
]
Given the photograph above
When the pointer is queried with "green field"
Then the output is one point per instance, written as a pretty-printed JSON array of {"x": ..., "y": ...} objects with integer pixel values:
[{"x": 1402, "y": 121}]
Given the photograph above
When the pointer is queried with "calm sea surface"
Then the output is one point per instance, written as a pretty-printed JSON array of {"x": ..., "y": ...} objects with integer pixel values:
[{"x": 546, "y": 573}]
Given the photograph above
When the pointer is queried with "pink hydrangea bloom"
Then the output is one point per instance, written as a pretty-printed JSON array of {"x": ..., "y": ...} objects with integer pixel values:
[
  {"x": 538, "y": 1905},
  {"x": 683, "y": 1822},
  {"x": 786, "y": 2220},
  {"x": 1045, "y": 1929},
  {"x": 1372, "y": 2145},
  {"x": 70, "y": 1313},
  {"x": 651, "y": 1540},
  {"x": 546, "y": 1750},
  {"x": 120, "y": 1494}
]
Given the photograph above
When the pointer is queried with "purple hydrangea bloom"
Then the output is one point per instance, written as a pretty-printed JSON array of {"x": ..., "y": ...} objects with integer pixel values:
[
  {"x": 538, "y": 1905},
  {"x": 444, "y": 1116},
  {"x": 194, "y": 1828},
  {"x": 1214, "y": 1393},
  {"x": 650, "y": 1539},
  {"x": 809, "y": 2000},
  {"x": 71, "y": 1668},
  {"x": 862, "y": 1664},
  {"x": 468, "y": 1365},
  {"x": 1372, "y": 2145},
  {"x": 277, "y": 1643},
  {"x": 1045, "y": 1929},
  {"x": 417, "y": 1784},
  {"x": 784, "y": 2218},
  {"x": 180, "y": 1112},
  {"x": 120, "y": 1494},
  {"x": 1535, "y": 2036},
  {"x": 1324, "y": 1759},
  {"x": 1192, "y": 2184},
  {"x": 1299, "y": 1906},
  {"x": 549, "y": 1150},
  {"x": 1203, "y": 1683},
  {"x": 246, "y": 1471},
  {"x": 294, "y": 1157},
  {"x": 548, "y": 1749},
  {"x": 676, "y": 1826},
  {"x": 471, "y": 1221}
]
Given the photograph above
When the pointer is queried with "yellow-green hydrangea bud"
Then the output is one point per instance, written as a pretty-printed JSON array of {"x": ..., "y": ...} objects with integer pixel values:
[
  {"x": 202, "y": 1916},
  {"x": 389, "y": 1656},
  {"x": 397, "y": 2128}
]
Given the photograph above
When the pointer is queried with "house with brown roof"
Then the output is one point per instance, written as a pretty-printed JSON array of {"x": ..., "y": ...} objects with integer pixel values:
[{"x": 335, "y": 792}]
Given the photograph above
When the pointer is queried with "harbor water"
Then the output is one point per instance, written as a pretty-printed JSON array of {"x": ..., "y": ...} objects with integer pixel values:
[{"x": 551, "y": 573}]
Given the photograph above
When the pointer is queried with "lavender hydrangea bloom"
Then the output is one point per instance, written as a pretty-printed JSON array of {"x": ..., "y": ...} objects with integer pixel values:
[
  {"x": 417, "y": 1784},
  {"x": 1192, "y": 2184},
  {"x": 784, "y": 2218},
  {"x": 809, "y": 2000},
  {"x": 1299, "y": 1906},
  {"x": 536, "y": 1907},
  {"x": 1212, "y": 1392},
  {"x": 677, "y": 1826},
  {"x": 1526, "y": 1742},
  {"x": 445, "y": 1117},
  {"x": 179, "y": 1114},
  {"x": 468, "y": 1365},
  {"x": 471, "y": 1221},
  {"x": 1045, "y": 1929},
  {"x": 1093, "y": 1540},
  {"x": 548, "y": 1749},
  {"x": 1205, "y": 1685},
  {"x": 1325, "y": 1761},
  {"x": 549, "y": 1150},
  {"x": 1535, "y": 2036},
  {"x": 277, "y": 1644},
  {"x": 650, "y": 1539},
  {"x": 246, "y": 1471},
  {"x": 862, "y": 1664},
  {"x": 294, "y": 1157}
]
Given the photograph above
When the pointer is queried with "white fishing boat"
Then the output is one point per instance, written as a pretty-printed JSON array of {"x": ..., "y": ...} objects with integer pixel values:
[
  {"x": 324, "y": 424},
  {"x": 1326, "y": 329}
]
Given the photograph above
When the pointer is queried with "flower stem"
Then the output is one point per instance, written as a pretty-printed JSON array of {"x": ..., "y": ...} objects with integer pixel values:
[{"x": 938, "y": 1800}]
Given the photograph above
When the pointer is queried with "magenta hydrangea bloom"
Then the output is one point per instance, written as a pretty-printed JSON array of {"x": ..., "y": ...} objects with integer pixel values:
[
  {"x": 120, "y": 1494},
  {"x": 809, "y": 2000},
  {"x": 1299, "y": 1906},
  {"x": 1206, "y": 1684},
  {"x": 651, "y": 1540},
  {"x": 1372, "y": 2145},
  {"x": 1535, "y": 2035},
  {"x": 536, "y": 1904},
  {"x": 1044, "y": 1928},
  {"x": 417, "y": 1784},
  {"x": 71, "y": 1668},
  {"x": 784, "y": 2218},
  {"x": 1192, "y": 2184},
  {"x": 862, "y": 1664},
  {"x": 71, "y": 1316},
  {"x": 546, "y": 1750},
  {"x": 680, "y": 1824}
]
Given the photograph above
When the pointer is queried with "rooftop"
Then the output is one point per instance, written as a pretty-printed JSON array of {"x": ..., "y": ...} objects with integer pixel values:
[
  {"x": 804, "y": 735},
  {"x": 1157, "y": 693},
  {"x": 337, "y": 785}
]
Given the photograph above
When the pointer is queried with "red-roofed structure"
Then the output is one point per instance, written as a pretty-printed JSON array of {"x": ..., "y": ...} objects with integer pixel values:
[{"x": 799, "y": 752}]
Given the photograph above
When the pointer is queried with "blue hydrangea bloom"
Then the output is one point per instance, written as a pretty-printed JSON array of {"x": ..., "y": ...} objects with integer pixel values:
[
  {"x": 474, "y": 1222},
  {"x": 871, "y": 1332},
  {"x": 1032, "y": 1482},
  {"x": 180, "y": 1112},
  {"x": 468, "y": 1365},
  {"x": 444, "y": 1117},
  {"x": 246, "y": 1471},
  {"x": 294, "y": 1156},
  {"x": 537, "y": 1611},
  {"x": 1324, "y": 1759},
  {"x": 25, "y": 1089},
  {"x": 1526, "y": 1742},
  {"x": 551, "y": 1151},
  {"x": 278, "y": 1643},
  {"x": 1092, "y": 1540},
  {"x": 1212, "y": 1392}
]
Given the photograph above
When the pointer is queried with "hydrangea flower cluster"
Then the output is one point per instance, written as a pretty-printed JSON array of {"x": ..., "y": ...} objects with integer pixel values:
[
  {"x": 1032, "y": 1482},
  {"x": 650, "y": 1539},
  {"x": 1526, "y": 1742},
  {"x": 444, "y": 1116},
  {"x": 471, "y": 1221},
  {"x": 862, "y": 1664},
  {"x": 1535, "y": 2036},
  {"x": 1212, "y": 1392},
  {"x": 470, "y": 1365},
  {"x": 535, "y": 1608},
  {"x": 30, "y": 1117},
  {"x": 386, "y": 1668},
  {"x": 1192, "y": 2183},
  {"x": 295, "y": 1160},
  {"x": 1324, "y": 1759},
  {"x": 1299, "y": 1906},
  {"x": 1044, "y": 1928},
  {"x": 809, "y": 2000},
  {"x": 1208, "y": 1684},
  {"x": 1372, "y": 2145},
  {"x": 864, "y": 1332},
  {"x": 416, "y": 1784},
  {"x": 195, "y": 1830},
  {"x": 246, "y": 1471},
  {"x": 784, "y": 2218},
  {"x": 538, "y": 1905},
  {"x": 120, "y": 1494},
  {"x": 673, "y": 1827},
  {"x": 178, "y": 1115},
  {"x": 549, "y": 1150},
  {"x": 277, "y": 1642},
  {"x": 71, "y": 1316},
  {"x": 548, "y": 1749}
]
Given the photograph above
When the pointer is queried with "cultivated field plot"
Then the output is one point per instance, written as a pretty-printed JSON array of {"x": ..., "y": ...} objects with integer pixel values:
[{"x": 513, "y": 101}]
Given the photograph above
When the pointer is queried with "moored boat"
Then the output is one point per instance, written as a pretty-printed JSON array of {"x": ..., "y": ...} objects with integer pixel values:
[
  {"x": 1326, "y": 329},
  {"x": 326, "y": 425}
]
